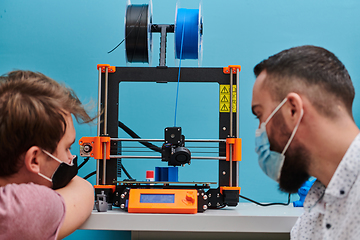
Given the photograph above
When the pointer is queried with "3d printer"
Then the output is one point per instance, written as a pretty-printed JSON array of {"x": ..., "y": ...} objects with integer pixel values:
[{"x": 164, "y": 196}]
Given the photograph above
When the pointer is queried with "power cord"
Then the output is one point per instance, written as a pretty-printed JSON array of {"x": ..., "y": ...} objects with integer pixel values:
[{"x": 266, "y": 204}]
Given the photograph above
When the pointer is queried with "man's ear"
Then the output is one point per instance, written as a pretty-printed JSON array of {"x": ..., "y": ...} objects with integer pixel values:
[
  {"x": 293, "y": 109},
  {"x": 32, "y": 159}
]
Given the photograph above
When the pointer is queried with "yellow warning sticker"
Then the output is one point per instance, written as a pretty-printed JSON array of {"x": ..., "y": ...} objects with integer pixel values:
[
  {"x": 225, "y": 98},
  {"x": 225, "y": 108},
  {"x": 224, "y": 89}
]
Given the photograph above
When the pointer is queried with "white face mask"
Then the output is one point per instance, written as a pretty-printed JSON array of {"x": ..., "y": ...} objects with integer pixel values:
[
  {"x": 271, "y": 162},
  {"x": 63, "y": 173}
]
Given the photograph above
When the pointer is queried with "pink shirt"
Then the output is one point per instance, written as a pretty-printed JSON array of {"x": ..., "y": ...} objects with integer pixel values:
[{"x": 30, "y": 211}]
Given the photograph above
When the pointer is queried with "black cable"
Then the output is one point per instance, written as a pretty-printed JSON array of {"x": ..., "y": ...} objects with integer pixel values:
[
  {"x": 266, "y": 204},
  {"x": 187, "y": 147},
  {"x": 90, "y": 174},
  {"x": 128, "y": 33},
  {"x": 134, "y": 135},
  {"x": 83, "y": 163}
]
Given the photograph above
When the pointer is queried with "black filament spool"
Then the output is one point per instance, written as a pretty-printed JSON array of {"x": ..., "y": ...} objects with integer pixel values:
[{"x": 136, "y": 32}]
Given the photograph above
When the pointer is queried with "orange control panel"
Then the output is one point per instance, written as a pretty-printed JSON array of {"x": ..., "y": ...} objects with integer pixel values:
[{"x": 162, "y": 201}]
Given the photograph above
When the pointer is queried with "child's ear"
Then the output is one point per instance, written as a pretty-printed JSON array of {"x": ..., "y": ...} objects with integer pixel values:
[{"x": 32, "y": 159}]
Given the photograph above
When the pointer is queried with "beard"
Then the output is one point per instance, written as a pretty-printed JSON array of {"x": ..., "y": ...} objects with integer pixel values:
[{"x": 294, "y": 171}]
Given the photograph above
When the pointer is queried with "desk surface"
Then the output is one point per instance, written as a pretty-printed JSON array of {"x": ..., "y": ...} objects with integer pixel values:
[{"x": 246, "y": 217}]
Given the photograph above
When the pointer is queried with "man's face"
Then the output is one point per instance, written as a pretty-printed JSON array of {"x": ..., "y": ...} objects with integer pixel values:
[
  {"x": 294, "y": 170},
  {"x": 62, "y": 151}
]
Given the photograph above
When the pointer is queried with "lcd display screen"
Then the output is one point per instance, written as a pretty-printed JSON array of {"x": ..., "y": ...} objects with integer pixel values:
[{"x": 157, "y": 198}]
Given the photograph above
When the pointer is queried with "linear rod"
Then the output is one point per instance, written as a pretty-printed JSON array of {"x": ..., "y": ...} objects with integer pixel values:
[
  {"x": 163, "y": 140},
  {"x": 159, "y": 157}
]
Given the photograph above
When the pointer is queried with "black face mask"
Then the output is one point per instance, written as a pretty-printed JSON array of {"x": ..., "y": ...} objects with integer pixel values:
[{"x": 63, "y": 174}]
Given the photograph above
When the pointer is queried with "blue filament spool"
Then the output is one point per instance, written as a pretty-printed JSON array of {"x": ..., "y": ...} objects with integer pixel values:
[{"x": 188, "y": 23}]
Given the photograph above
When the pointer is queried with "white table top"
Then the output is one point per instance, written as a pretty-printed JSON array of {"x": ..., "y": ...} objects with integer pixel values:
[{"x": 246, "y": 217}]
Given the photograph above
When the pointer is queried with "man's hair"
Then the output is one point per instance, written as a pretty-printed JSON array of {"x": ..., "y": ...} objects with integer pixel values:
[
  {"x": 32, "y": 113},
  {"x": 312, "y": 71}
]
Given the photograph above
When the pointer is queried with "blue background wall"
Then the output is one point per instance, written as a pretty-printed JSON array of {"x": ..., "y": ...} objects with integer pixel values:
[{"x": 66, "y": 39}]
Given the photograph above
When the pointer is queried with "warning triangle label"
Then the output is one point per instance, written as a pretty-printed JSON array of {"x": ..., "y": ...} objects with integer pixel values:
[
  {"x": 224, "y": 90},
  {"x": 224, "y": 108},
  {"x": 224, "y": 99}
]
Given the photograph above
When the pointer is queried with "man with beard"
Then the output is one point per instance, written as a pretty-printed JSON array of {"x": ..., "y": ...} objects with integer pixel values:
[{"x": 303, "y": 99}]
